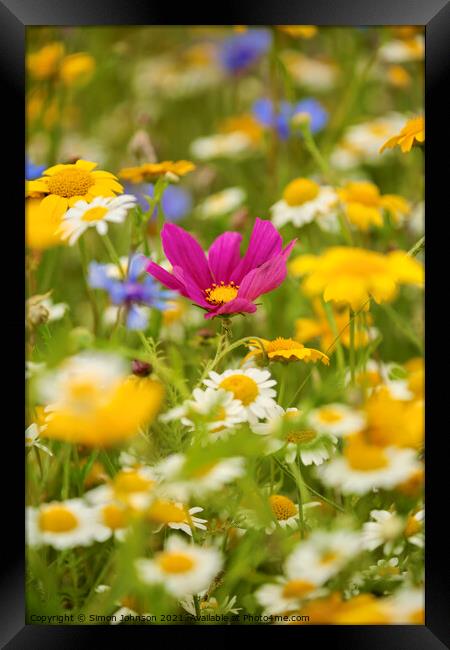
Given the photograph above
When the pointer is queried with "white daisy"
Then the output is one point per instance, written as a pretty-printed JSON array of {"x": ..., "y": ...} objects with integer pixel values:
[
  {"x": 283, "y": 432},
  {"x": 378, "y": 375},
  {"x": 131, "y": 486},
  {"x": 337, "y": 419},
  {"x": 366, "y": 468},
  {"x": 213, "y": 476},
  {"x": 322, "y": 555},
  {"x": 63, "y": 524},
  {"x": 68, "y": 386},
  {"x": 310, "y": 73},
  {"x": 287, "y": 594},
  {"x": 114, "y": 517},
  {"x": 226, "y": 145},
  {"x": 414, "y": 529},
  {"x": 182, "y": 568},
  {"x": 175, "y": 515},
  {"x": 304, "y": 201},
  {"x": 97, "y": 213},
  {"x": 361, "y": 142},
  {"x": 220, "y": 409},
  {"x": 251, "y": 386},
  {"x": 32, "y": 439},
  {"x": 55, "y": 311},
  {"x": 403, "y": 51},
  {"x": 383, "y": 530},
  {"x": 221, "y": 203}
]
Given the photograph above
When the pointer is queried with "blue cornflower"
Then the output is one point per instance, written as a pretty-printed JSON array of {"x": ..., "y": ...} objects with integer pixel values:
[
  {"x": 33, "y": 171},
  {"x": 176, "y": 201},
  {"x": 316, "y": 112},
  {"x": 263, "y": 110},
  {"x": 133, "y": 292},
  {"x": 240, "y": 51}
]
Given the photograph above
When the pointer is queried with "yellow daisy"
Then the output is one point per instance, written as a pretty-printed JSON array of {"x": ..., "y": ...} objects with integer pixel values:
[
  {"x": 363, "y": 204},
  {"x": 413, "y": 131},
  {"x": 143, "y": 172},
  {"x": 351, "y": 276},
  {"x": 63, "y": 185},
  {"x": 319, "y": 326},
  {"x": 285, "y": 350}
]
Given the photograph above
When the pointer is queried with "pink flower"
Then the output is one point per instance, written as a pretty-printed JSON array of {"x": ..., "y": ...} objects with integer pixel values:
[{"x": 223, "y": 282}]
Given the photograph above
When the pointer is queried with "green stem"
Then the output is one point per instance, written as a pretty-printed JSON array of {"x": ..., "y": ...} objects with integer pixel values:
[
  {"x": 332, "y": 322},
  {"x": 113, "y": 254},
  {"x": 418, "y": 246},
  {"x": 90, "y": 295}
]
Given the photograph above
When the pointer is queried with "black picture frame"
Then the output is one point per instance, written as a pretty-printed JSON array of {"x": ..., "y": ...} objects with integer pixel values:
[{"x": 15, "y": 17}]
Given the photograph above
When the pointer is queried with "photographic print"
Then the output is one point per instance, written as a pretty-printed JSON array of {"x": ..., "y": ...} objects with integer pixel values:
[{"x": 224, "y": 325}]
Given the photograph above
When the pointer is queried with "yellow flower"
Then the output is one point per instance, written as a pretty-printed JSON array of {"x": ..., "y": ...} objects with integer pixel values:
[
  {"x": 64, "y": 185},
  {"x": 363, "y": 204},
  {"x": 394, "y": 422},
  {"x": 319, "y": 327},
  {"x": 93, "y": 403},
  {"x": 416, "y": 376},
  {"x": 44, "y": 63},
  {"x": 414, "y": 130},
  {"x": 351, "y": 276},
  {"x": 149, "y": 170},
  {"x": 286, "y": 350},
  {"x": 299, "y": 31},
  {"x": 362, "y": 609},
  {"x": 76, "y": 67},
  {"x": 41, "y": 226}
]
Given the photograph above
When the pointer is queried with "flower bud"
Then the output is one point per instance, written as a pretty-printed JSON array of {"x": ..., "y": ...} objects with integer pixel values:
[{"x": 141, "y": 368}]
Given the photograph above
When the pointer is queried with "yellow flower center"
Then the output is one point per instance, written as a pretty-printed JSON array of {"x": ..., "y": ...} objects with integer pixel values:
[
  {"x": 412, "y": 526},
  {"x": 243, "y": 388},
  {"x": 369, "y": 378},
  {"x": 365, "y": 457},
  {"x": 218, "y": 294},
  {"x": 128, "y": 482},
  {"x": 70, "y": 182},
  {"x": 328, "y": 557},
  {"x": 204, "y": 470},
  {"x": 113, "y": 516},
  {"x": 57, "y": 519},
  {"x": 300, "y": 191},
  {"x": 329, "y": 415},
  {"x": 299, "y": 437},
  {"x": 165, "y": 512},
  {"x": 282, "y": 344},
  {"x": 282, "y": 507},
  {"x": 297, "y": 588},
  {"x": 219, "y": 416},
  {"x": 172, "y": 562},
  {"x": 95, "y": 214}
]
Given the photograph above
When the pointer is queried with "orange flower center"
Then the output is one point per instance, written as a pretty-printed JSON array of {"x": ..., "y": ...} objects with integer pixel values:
[
  {"x": 113, "y": 516},
  {"x": 297, "y": 588},
  {"x": 218, "y": 294},
  {"x": 165, "y": 512},
  {"x": 282, "y": 507},
  {"x": 244, "y": 388},
  {"x": 299, "y": 437},
  {"x": 57, "y": 519},
  {"x": 300, "y": 191},
  {"x": 365, "y": 457},
  {"x": 95, "y": 214},
  {"x": 175, "y": 562},
  {"x": 70, "y": 182}
]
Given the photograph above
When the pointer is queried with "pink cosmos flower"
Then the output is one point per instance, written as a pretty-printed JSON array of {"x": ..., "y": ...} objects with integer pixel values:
[{"x": 222, "y": 282}]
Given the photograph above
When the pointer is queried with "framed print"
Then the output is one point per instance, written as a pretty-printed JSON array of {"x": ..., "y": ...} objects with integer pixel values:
[{"x": 224, "y": 265}]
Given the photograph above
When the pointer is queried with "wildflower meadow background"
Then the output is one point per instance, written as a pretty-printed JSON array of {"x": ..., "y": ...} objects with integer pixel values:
[{"x": 224, "y": 318}]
